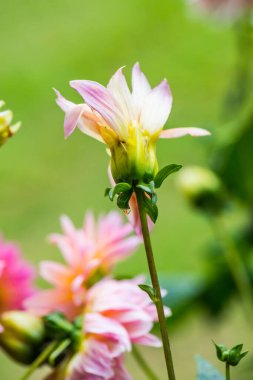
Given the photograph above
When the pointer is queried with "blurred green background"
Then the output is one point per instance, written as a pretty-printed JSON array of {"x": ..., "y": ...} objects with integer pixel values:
[{"x": 46, "y": 44}]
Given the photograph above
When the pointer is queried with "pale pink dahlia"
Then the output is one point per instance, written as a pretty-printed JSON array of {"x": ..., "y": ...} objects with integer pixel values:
[
  {"x": 90, "y": 253},
  {"x": 228, "y": 8},
  {"x": 129, "y": 122},
  {"x": 117, "y": 314},
  {"x": 16, "y": 277}
]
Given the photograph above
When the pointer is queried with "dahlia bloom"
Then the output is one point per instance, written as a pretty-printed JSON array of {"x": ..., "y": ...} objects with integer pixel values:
[
  {"x": 230, "y": 8},
  {"x": 16, "y": 277},
  {"x": 129, "y": 123},
  {"x": 90, "y": 253},
  {"x": 6, "y": 129},
  {"x": 117, "y": 314}
]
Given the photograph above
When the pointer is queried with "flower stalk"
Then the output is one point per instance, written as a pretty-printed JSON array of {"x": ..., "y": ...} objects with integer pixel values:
[
  {"x": 143, "y": 364},
  {"x": 227, "y": 371},
  {"x": 156, "y": 285},
  {"x": 40, "y": 359}
]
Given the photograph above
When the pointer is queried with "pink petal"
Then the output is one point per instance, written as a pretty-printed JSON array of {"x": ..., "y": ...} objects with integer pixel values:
[
  {"x": 100, "y": 99},
  {"x": 73, "y": 113},
  {"x": 95, "y": 323},
  {"x": 119, "y": 89},
  {"x": 55, "y": 273},
  {"x": 148, "y": 340},
  {"x": 156, "y": 108},
  {"x": 180, "y": 132},
  {"x": 141, "y": 88}
]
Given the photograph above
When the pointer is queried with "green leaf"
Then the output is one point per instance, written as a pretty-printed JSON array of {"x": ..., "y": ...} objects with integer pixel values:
[
  {"x": 123, "y": 200},
  {"x": 206, "y": 371},
  {"x": 150, "y": 208},
  {"x": 147, "y": 187},
  {"x": 121, "y": 187},
  {"x": 107, "y": 191},
  {"x": 164, "y": 173},
  {"x": 150, "y": 291}
]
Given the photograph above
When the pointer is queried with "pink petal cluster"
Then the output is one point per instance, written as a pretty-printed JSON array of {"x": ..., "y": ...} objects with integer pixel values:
[
  {"x": 90, "y": 253},
  {"x": 16, "y": 277},
  {"x": 117, "y": 314},
  {"x": 227, "y": 8},
  {"x": 115, "y": 108}
]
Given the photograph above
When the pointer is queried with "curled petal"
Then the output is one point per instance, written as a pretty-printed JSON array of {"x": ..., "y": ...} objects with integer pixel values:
[
  {"x": 55, "y": 273},
  {"x": 180, "y": 132},
  {"x": 100, "y": 99},
  {"x": 156, "y": 108}
]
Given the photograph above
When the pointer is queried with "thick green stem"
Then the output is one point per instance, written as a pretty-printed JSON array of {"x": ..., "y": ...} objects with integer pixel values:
[
  {"x": 143, "y": 364},
  {"x": 236, "y": 267},
  {"x": 40, "y": 359},
  {"x": 227, "y": 371},
  {"x": 156, "y": 286}
]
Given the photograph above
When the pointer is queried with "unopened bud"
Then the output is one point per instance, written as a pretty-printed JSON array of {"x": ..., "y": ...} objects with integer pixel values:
[
  {"x": 231, "y": 356},
  {"x": 202, "y": 187},
  {"x": 22, "y": 335}
]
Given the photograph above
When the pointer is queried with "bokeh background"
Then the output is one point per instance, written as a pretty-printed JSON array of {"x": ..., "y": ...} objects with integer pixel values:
[{"x": 46, "y": 44}]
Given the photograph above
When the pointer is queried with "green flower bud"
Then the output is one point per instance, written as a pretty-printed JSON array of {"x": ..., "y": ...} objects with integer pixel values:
[
  {"x": 22, "y": 335},
  {"x": 134, "y": 159},
  {"x": 231, "y": 356},
  {"x": 202, "y": 187}
]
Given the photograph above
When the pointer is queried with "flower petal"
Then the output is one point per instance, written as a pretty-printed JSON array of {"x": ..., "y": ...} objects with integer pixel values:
[
  {"x": 119, "y": 89},
  {"x": 100, "y": 99},
  {"x": 180, "y": 132},
  {"x": 55, "y": 273},
  {"x": 156, "y": 108},
  {"x": 141, "y": 88}
]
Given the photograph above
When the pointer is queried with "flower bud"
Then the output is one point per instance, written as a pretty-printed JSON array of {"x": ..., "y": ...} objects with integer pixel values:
[
  {"x": 7, "y": 130},
  {"x": 202, "y": 187},
  {"x": 22, "y": 335},
  {"x": 134, "y": 159},
  {"x": 231, "y": 356}
]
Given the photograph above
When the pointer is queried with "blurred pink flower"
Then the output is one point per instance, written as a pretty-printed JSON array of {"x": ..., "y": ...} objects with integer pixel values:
[
  {"x": 16, "y": 277},
  {"x": 227, "y": 8},
  {"x": 90, "y": 253},
  {"x": 117, "y": 314}
]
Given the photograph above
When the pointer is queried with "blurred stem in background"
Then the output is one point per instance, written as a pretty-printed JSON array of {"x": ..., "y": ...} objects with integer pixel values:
[
  {"x": 156, "y": 286},
  {"x": 236, "y": 266},
  {"x": 240, "y": 89},
  {"x": 143, "y": 364}
]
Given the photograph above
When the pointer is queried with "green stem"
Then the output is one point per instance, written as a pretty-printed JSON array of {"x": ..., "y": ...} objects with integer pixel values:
[
  {"x": 156, "y": 286},
  {"x": 143, "y": 364},
  {"x": 236, "y": 267},
  {"x": 40, "y": 359},
  {"x": 227, "y": 371}
]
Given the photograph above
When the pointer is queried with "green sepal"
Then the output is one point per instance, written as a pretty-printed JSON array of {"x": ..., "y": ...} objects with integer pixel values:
[
  {"x": 150, "y": 291},
  {"x": 57, "y": 326},
  {"x": 150, "y": 208},
  {"x": 123, "y": 200},
  {"x": 150, "y": 189},
  {"x": 221, "y": 351},
  {"x": 107, "y": 191},
  {"x": 235, "y": 355},
  {"x": 164, "y": 173}
]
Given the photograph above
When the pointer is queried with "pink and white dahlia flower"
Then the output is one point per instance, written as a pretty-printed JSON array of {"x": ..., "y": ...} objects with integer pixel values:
[
  {"x": 16, "y": 277},
  {"x": 117, "y": 314},
  {"x": 90, "y": 253},
  {"x": 227, "y": 8},
  {"x": 130, "y": 123}
]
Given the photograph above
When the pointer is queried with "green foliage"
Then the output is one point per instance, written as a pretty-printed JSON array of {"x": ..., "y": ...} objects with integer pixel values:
[
  {"x": 231, "y": 356},
  {"x": 205, "y": 371},
  {"x": 164, "y": 173},
  {"x": 150, "y": 291},
  {"x": 150, "y": 208}
]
